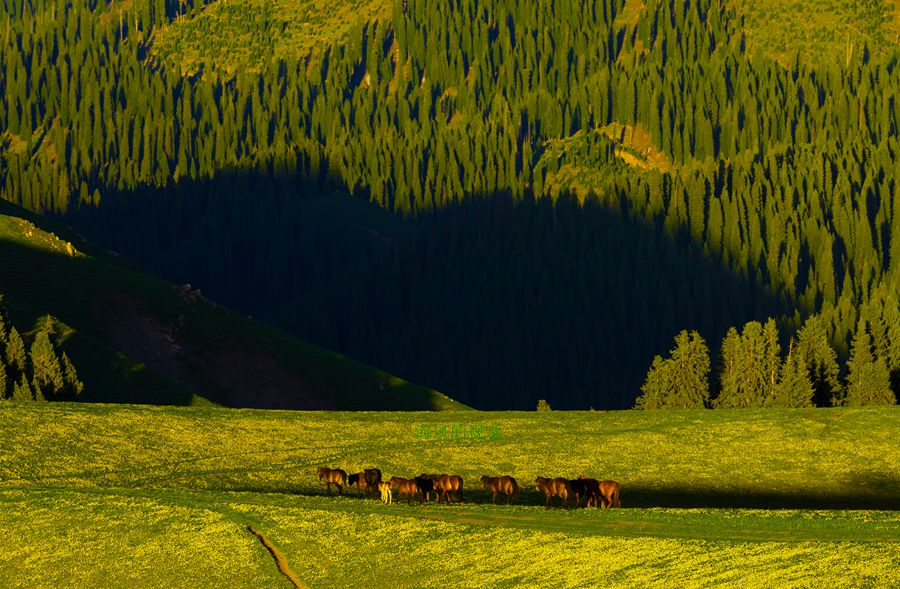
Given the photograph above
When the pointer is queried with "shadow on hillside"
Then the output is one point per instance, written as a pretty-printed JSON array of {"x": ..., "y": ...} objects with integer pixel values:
[
  {"x": 137, "y": 339},
  {"x": 863, "y": 491},
  {"x": 499, "y": 302}
]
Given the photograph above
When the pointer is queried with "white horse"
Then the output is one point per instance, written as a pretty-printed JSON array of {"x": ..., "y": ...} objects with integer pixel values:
[{"x": 387, "y": 495}]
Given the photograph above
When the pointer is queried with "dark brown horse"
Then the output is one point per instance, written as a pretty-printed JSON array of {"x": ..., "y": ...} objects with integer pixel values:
[
  {"x": 579, "y": 489},
  {"x": 550, "y": 487},
  {"x": 367, "y": 481},
  {"x": 426, "y": 487},
  {"x": 592, "y": 487},
  {"x": 407, "y": 488},
  {"x": 609, "y": 494},
  {"x": 503, "y": 484},
  {"x": 446, "y": 485},
  {"x": 332, "y": 476}
]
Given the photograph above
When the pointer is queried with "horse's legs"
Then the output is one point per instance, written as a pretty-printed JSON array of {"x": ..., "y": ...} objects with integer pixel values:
[
  {"x": 328, "y": 487},
  {"x": 340, "y": 489}
]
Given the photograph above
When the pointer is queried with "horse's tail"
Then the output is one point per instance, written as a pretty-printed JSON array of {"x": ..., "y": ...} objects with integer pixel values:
[{"x": 615, "y": 498}]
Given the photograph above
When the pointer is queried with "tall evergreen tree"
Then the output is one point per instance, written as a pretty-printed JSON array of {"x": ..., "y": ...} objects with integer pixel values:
[
  {"x": 868, "y": 378},
  {"x": 73, "y": 385},
  {"x": 15, "y": 352},
  {"x": 794, "y": 388},
  {"x": 821, "y": 361},
  {"x": 22, "y": 390},
  {"x": 47, "y": 374},
  {"x": 680, "y": 381}
]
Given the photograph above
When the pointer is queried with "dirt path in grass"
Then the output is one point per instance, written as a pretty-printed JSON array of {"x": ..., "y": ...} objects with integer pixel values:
[{"x": 280, "y": 560}]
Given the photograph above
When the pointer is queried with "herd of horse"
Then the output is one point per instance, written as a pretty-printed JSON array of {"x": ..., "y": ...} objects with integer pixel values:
[{"x": 447, "y": 487}]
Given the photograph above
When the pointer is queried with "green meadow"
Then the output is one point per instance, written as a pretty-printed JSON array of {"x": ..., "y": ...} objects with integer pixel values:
[{"x": 140, "y": 496}]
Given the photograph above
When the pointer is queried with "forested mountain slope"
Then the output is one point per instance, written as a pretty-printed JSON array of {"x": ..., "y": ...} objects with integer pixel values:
[
  {"x": 137, "y": 339},
  {"x": 718, "y": 178}
]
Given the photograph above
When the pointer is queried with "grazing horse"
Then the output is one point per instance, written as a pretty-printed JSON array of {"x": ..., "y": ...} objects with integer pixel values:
[
  {"x": 407, "y": 488},
  {"x": 332, "y": 476},
  {"x": 503, "y": 484},
  {"x": 366, "y": 481},
  {"x": 592, "y": 487},
  {"x": 551, "y": 487},
  {"x": 579, "y": 489},
  {"x": 426, "y": 487},
  {"x": 387, "y": 496},
  {"x": 446, "y": 485},
  {"x": 609, "y": 494}
]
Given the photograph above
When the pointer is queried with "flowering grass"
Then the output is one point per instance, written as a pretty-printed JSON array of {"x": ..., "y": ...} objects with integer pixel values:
[{"x": 149, "y": 496}]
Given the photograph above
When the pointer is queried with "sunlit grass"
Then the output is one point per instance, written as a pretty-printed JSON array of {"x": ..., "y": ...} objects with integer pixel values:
[
  {"x": 143, "y": 496},
  {"x": 245, "y": 35},
  {"x": 821, "y": 31}
]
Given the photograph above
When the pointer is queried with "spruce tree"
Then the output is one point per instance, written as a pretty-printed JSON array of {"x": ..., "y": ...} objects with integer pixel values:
[
  {"x": 794, "y": 388},
  {"x": 22, "y": 390},
  {"x": 821, "y": 362},
  {"x": 15, "y": 352},
  {"x": 73, "y": 386},
  {"x": 47, "y": 374},
  {"x": 2, "y": 382},
  {"x": 681, "y": 381},
  {"x": 730, "y": 375},
  {"x": 868, "y": 378}
]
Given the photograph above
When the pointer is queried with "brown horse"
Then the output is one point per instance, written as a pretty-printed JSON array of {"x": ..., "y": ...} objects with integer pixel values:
[
  {"x": 367, "y": 481},
  {"x": 550, "y": 487},
  {"x": 332, "y": 476},
  {"x": 407, "y": 488},
  {"x": 579, "y": 489},
  {"x": 446, "y": 485},
  {"x": 592, "y": 488},
  {"x": 503, "y": 484},
  {"x": 426, "y": 487},
  {"x": 609, "y": 494}
]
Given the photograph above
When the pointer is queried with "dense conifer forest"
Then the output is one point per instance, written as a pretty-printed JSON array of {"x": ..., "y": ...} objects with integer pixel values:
[{"x": 506, "y": 201}]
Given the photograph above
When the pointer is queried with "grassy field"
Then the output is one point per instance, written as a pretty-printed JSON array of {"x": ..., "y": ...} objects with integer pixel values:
[
  {"x": 150, "y": 496},
  {"x": 135, "y": 338}
]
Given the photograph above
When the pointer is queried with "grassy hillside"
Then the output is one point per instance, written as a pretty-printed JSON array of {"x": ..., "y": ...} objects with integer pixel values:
[
  {"x": 245, "y": 35},
  {"x": 135, "y": 338},
  {"x": 823, "y": 31},
  {"x": 141, "y": 496}
]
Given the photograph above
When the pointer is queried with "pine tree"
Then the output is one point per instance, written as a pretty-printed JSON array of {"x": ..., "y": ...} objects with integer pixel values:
[
  {"x": 46, "y": 372},
  {"x": 794, "y": 386},
  {"x": 2, "y": 382},
  {"x": 22, "y": 390},
  {"x": 868, "y": 378},
  {"x": 15, "y": 352},
  {"x": 73, "y": 386},
  {"x": 681, "y": 381},
  {"x": 730, "y": 375}
]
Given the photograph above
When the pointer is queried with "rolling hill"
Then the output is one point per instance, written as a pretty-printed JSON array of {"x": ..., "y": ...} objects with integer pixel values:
[{"x": 135, "y": 338}]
